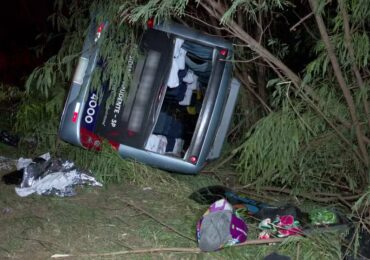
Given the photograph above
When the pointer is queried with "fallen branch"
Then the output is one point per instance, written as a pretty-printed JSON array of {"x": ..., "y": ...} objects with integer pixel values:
[
  {"x": 135, "y": 251},
  {"x": 191, "y": 250},
  {"x": 157, "y": 220},
  {"x": 262, "y": 241}
]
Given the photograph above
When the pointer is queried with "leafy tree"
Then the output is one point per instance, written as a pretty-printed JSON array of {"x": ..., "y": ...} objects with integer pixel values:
[{"x": 308, "y": 127}]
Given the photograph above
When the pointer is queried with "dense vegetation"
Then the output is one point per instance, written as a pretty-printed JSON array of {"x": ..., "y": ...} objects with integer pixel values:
[{"x": 302, "y": 123}]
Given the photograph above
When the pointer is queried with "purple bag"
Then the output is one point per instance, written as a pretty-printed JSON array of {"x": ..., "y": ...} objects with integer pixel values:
[{"x": 220, "y": 227}]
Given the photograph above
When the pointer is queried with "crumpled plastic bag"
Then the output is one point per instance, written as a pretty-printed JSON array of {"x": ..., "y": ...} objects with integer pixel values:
[{"x": 47, "y": 176}]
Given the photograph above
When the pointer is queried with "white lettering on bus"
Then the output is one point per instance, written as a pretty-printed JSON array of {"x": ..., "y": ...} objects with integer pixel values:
[{"x": 91, "y": 109}]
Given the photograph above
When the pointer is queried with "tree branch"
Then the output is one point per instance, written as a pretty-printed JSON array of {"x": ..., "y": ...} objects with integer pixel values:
[
  {"x": 216, "y": 10},
  {"x": 156, "y": 219},
  {"x": 351, "y": 52},
  {"x": 301, "y": 21},
  {"x": 250, "y": 89},
  {"x": 340, "y": 79}
]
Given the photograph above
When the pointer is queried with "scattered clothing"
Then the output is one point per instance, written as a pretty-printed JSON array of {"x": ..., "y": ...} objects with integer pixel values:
[
  {"x": 189, "y": 77},
  {"x": 156, "y": 143},
  {"x": 178, "y": 63},
  {"x": 168, "y": 126},
  {"x": 191, "y": 86},
  {"x": 182, "y": 99},
  {"x": 272, "y": 212},
  {"x": 282, "y": 226},
  {"x": 175, "y": 146},
  {"x": 177, "y": 93},
  {"x": 210, "y": 194},
  {"x": 220, "y": 227},
  {"x": 201, "y": 51},
  {"x": 201, "y": 69}
]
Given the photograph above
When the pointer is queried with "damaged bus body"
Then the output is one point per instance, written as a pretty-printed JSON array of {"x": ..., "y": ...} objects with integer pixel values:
[{"x": 177, "y": 110}]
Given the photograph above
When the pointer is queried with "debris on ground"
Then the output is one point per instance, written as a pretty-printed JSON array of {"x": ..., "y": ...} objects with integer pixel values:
[
  {"x": 259, "y": 210},
  {"x": 273, "y": 221},
  {"x": 324, "y": 216},
  {"x": 48, "y": 176},
  {"x": 220, "y": 227},
  {"x": 281, "y": 226}
]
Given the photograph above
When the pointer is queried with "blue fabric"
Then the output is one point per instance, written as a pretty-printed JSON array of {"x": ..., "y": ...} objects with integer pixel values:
[
  {"x": 168, "y": 126},
  {"x": 203, "y": 52},
  {"x": 163, "y": 123},
  {"x": 176, "y": 130},
  {"x": 178, "y": 93},
  {"x": 170, "y": 144},
  {"x": 202, "y": 70}
]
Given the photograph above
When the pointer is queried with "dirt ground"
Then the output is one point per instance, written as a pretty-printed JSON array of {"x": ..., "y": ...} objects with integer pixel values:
[
  {"x": 99, "y": 222},
  {"x": 96, "y": 220}
]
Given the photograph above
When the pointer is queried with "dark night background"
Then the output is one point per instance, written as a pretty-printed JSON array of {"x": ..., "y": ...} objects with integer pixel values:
[{"x": 21, "y": 22}]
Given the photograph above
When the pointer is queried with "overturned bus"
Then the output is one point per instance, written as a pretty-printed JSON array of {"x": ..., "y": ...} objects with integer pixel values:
[{"x": 177, "y": 110}]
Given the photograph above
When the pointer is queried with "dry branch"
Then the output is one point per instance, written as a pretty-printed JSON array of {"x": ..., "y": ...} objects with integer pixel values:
[
  {"x": 191, "y": 250},
  {"x": 156, "y": 219}
]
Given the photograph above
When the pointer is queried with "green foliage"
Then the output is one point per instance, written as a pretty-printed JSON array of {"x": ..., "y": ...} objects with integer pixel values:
[
  {"x": 251, "y": 8},
  {"x": 108, "y": 167},
  {"x": 271, "y": 146},
  {"x": 159, "y": 9},
  {"x": 363, "y": 202},
  {"x": 36, "y": 118},
  {"x": 294, "y": 145},
  {"x": 47, "y": 85},
  {"x": 9, "y": 93},
  {"x": 316, "y": 246},
  {"x": 10, "y": 97}
]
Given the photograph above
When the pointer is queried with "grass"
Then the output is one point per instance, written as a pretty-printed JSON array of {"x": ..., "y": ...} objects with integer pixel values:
[{"x": 113, "y": 218}]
